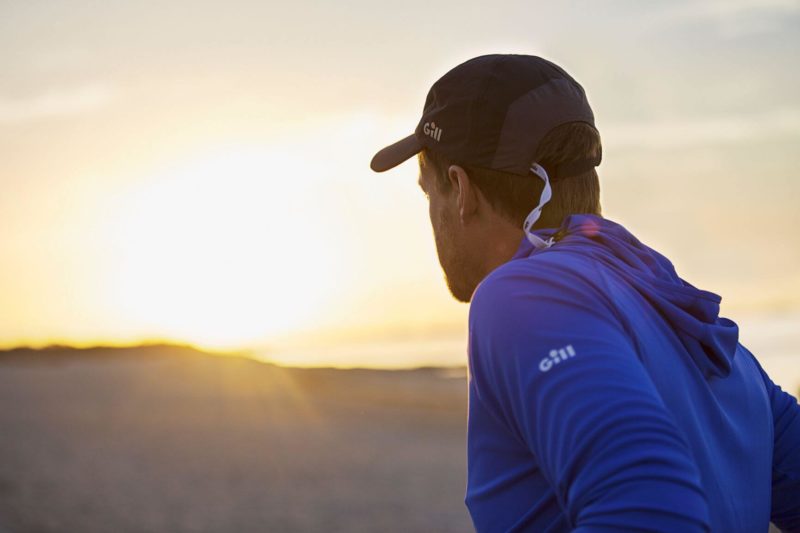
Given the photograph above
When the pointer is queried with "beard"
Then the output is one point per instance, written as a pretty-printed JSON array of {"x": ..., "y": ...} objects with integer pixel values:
[{"x": 460, "y": 273}]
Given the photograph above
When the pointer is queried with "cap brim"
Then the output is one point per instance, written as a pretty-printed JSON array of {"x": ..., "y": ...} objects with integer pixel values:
[{"x": 396, "y": 153}]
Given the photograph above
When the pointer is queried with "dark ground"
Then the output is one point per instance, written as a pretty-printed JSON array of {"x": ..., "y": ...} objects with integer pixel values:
[{"x": 172, "y": 441}]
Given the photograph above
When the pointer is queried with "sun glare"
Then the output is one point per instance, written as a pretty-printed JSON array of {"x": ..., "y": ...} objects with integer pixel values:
[{"x": 215, "y": 250}]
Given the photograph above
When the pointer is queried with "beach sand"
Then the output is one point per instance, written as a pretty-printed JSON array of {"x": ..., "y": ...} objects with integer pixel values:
[{"x": 172, "y": 441}]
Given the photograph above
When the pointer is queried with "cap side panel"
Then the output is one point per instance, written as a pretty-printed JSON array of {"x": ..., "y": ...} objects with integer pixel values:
[
  {"x": 450, "y": 108},
  {"x": 532, "y": 116},
  {"x": 513, "y": 77}
]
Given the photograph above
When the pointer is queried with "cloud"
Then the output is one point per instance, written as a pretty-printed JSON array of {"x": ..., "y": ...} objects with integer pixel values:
[
  {"x": 723, "y": 9},
  {"x": 733, "y": 18},
  {"x": 55, "y": 103},
  {"x": 692, "y": 131}
]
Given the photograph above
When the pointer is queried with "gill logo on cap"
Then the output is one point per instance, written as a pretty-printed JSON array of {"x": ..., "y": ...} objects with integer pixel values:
[
  {"x": 556, "y": 356},
  {"x": 432, "y": 130}
]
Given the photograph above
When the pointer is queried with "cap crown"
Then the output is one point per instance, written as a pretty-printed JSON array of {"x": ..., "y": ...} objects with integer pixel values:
[{"x": 492, "y": 111}]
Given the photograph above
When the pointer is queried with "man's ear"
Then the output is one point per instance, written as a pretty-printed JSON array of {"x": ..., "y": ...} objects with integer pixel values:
[{"x": 466, "y": 192}]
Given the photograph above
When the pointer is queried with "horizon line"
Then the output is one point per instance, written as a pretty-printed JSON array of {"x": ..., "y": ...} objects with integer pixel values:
[{"x": 248, "y": 354}]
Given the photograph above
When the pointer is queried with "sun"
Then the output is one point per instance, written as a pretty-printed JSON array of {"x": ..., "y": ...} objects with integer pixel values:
[{"x": 220, "y": 250}]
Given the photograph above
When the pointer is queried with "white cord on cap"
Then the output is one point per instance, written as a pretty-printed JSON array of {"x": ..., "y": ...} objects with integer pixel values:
[{"x": 533, "y": 216}]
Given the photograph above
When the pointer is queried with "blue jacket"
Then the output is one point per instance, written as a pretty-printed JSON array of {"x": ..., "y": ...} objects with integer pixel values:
[{"x": 606, "y": 394}]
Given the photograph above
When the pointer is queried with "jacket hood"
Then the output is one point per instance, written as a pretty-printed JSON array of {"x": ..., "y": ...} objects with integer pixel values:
[{"x": 693, "y": 313}]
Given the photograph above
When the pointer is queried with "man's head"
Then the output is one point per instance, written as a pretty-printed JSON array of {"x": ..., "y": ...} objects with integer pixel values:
[
  {"x": 498, "y": 134},
  {"x": 477, "y": 214}
]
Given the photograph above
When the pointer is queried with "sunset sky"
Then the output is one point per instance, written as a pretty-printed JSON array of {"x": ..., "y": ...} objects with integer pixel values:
[{"x": 199, "y": 171}]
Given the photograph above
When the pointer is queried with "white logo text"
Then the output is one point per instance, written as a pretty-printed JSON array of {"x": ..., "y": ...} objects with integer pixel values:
[
  {"x": 556, "y": 356},
  {"x": 432, "y": 130}
]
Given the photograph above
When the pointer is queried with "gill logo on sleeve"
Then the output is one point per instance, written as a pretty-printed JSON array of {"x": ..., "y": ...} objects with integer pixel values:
[{"x": 556, "y": 356}]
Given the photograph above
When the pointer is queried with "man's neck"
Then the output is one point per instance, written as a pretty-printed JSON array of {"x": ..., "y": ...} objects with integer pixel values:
[{"x": 501, "y": 245}]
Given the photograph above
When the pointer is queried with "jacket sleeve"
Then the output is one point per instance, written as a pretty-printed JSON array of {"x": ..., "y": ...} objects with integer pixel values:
[
  {"x": 554, "y": 365},
  {"x": 785, "y": 511}
]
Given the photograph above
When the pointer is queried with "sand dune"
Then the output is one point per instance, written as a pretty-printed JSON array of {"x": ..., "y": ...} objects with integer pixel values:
[{"x": 165, "y": 440}]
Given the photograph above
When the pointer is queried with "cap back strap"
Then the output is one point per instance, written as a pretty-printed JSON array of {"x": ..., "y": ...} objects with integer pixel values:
[{"x": 534, "y": 215}]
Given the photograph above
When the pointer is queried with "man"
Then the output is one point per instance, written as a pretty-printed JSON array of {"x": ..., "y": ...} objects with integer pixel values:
[{"x": 605, "y": 392}]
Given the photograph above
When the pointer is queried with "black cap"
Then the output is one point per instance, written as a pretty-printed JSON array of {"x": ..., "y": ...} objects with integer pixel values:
[{"x": 492, "y": 111}]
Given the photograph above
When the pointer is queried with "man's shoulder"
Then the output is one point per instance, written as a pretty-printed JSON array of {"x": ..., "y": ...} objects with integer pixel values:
[
  {"x": 546, "y": 271},
  {"x": 540, "y": 280}
]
